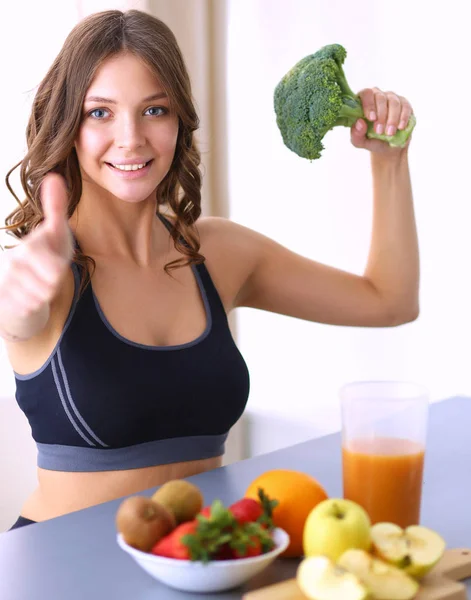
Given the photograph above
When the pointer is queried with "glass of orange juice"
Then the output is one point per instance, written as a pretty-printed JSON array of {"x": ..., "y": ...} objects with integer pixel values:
[{"x": 384, "y": 428}]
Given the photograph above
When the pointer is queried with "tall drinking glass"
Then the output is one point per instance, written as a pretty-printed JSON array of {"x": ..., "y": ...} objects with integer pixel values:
[{"x": 384, "y": 428}]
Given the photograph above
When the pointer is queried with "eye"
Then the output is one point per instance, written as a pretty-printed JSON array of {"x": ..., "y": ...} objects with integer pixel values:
[
  {"x": 98, "y": 113},
  {"x": 157, "y": 111}
]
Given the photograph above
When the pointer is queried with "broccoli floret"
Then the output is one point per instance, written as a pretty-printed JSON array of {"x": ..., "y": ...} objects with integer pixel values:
[{"x": 314, "y": 96}]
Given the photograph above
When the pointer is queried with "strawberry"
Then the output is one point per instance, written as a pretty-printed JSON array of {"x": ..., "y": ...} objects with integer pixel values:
[
  {"x": 200, "y": 539},
  {"x": 250, "y": 539},
  {"x": 246, "y": 510},
  {"x": 218, "y": 534},
  {"x": 172, "y": 545},
  {"x": 249, "y": 510},
  {"x": 253, "y": 547}
]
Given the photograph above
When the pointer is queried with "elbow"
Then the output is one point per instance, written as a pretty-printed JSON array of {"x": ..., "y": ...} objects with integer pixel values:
[
  {"x": 399, "y": 309},
  {"x": 403, "y": 315}
]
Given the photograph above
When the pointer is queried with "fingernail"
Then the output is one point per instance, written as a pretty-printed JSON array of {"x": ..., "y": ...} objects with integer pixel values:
[
  {"x": 379, "y": 128},
  {"x": 358, "y": 125},
  {"x": 391, "y": 130},
  {"x": 372, "y": 116},
  {"x": 402, "y": 125}
]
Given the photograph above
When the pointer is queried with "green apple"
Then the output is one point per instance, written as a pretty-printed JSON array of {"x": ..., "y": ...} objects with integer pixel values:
[
  {"x": 335, "y": 525},
  {"x": 415, "y": 550},
  {"x": 321, "y": 579},
  {"x": 384, "y": 581}
]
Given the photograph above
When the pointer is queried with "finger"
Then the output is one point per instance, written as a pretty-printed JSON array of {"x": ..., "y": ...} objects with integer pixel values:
[
  {"x": 20, "y": 300},
  {"x": 394, "y": 113},
  {"x": 46, "y": 264},
  {"x": 406, "y": 113},
  {"x": 32, "y": 289},
  {"x": 54, "y": 200},
  {"x": 48, "y": 267},
  {"x": 381, "y": 102},
  {"x": 358, "y": 133},
  {"x": 367, "y": 98}
]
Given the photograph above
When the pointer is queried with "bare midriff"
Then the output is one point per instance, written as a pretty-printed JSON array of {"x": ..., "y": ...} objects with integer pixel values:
[{"x": 59, "y": 492}]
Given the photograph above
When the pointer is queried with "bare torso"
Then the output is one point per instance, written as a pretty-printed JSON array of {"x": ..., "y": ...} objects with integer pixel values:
[
  {"x": 59, "y": 493},
  {"x": 171, "y": 312}
]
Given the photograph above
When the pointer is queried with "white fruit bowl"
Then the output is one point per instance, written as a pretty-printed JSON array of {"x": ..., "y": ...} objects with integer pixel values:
[{"x": 215, "y": 576}]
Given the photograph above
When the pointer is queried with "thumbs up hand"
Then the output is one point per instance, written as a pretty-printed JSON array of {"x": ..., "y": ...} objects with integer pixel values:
[{"x": 32, "y": 272}]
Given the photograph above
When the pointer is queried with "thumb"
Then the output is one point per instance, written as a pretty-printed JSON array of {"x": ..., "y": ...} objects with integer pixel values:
[{"x": 54, "y": 200}]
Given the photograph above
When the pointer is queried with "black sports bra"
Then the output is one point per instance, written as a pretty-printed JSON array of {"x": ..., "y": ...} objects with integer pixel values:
[{"x": 102, "y": 402}]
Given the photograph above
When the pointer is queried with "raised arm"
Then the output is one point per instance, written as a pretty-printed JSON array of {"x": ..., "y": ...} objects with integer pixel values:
[{"x": 387, "y": 294}]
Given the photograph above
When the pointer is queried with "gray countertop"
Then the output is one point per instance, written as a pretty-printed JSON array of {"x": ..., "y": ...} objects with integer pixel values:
[{"x": 76, "y": 557}]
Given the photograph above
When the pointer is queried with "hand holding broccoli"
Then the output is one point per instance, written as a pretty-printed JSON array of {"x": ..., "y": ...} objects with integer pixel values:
[
  {"x": 389, "y": 119},
  {"x": 314, "y": 96}
]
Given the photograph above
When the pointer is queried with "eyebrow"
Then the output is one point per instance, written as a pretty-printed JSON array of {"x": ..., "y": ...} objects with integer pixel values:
[{"x": 157, "y": 96}]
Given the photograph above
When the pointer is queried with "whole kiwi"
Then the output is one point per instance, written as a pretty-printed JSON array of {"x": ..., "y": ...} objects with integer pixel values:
[
  {"x": 182, "y": 498},
  {"x": 142, "y": 522}
]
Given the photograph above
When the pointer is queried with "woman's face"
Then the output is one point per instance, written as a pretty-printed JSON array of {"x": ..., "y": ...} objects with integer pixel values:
[{"x": 126, "y": 124}]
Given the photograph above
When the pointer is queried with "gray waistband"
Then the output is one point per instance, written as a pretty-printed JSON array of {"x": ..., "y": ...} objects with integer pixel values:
[{"x": 56, "y": 457}]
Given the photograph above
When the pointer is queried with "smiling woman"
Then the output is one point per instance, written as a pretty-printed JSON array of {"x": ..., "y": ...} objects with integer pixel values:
[
  {"x": 124, "y": 148},
  {"x": 114, "y": 301}
]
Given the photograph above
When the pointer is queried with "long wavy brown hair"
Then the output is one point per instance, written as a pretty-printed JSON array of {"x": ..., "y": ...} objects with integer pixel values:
[{"x": 57, "y": 114}]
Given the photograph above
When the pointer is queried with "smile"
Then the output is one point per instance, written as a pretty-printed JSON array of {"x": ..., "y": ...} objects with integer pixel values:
[
  {"x": 131, "y": 171},
  {"x": 135, "y": 167}
]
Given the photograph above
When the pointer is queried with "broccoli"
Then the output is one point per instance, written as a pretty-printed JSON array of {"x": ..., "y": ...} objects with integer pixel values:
[{"x": 314, "y": 96}]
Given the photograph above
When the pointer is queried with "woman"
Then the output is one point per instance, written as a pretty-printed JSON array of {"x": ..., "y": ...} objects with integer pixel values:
[{"x": 114, "y": 301}]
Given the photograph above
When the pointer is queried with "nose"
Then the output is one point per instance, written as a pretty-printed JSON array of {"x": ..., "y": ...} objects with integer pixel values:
[{"x": 129, "y": 134}]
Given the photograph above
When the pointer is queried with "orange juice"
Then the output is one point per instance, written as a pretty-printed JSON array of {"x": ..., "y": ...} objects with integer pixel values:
[{"x": 384, "y": 475}]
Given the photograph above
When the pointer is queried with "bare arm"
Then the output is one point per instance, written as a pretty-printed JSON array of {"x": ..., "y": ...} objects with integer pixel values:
[
  {"x": 284, "y": 282},
  {"x": 393, "y": 261},
  {"x": 387, "y": 293}
]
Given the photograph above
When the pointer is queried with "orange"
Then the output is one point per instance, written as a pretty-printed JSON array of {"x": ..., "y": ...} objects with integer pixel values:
[{"x": 297, "y": 493}]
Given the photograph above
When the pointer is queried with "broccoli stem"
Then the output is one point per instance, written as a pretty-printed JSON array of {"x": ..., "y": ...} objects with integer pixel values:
[
  {"x": 398, "y": 140},
  {"x": 352, "y": 110},
  {"x": 342, "y": 81}
]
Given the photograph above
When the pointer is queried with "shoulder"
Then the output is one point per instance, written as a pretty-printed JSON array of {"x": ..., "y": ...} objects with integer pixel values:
[
  {"x": 231, "y": 252},
  {"x": 228, "y": 236},
  {"x": 211, "y": 227}
]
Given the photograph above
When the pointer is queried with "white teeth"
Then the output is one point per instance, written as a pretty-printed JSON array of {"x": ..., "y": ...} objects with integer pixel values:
[{"x": 130, "y": 167}]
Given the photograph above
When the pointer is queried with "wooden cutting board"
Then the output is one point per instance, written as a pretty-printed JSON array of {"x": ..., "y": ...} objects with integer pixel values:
[{"x": 442, "y": 583}]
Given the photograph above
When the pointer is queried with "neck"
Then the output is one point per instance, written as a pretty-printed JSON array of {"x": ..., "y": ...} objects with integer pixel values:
[{"x": 107, "y": 227}]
